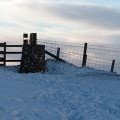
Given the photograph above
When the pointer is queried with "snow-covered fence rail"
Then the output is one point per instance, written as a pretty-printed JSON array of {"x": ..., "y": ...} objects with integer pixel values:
[{"x": 102, "y": 57}]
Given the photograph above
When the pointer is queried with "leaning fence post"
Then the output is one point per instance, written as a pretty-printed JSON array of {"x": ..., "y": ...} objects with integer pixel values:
[
  {"x": 84, "y": 55},
  {"x": 113, "y": 65},
  {"x": 4, "y": 53},
  {"x": 58, "y": 52}
]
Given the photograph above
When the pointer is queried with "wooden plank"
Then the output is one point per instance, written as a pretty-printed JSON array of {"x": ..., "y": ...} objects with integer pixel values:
[
  {"x": 13, "y": 52},
  {"x": 1, "y": 65},
  {"x": 2, "y": 52},
  {"x": 13, "y": 60},
  {"x": 2, "y": 44},
  {"x": 54, "y": 56},
  {"x": 14, "y": 45},
  {"x": 2, "y": 59}
]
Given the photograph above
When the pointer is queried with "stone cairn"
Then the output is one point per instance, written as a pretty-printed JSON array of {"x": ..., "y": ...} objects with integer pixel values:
[{"x": 33, "y": 55}]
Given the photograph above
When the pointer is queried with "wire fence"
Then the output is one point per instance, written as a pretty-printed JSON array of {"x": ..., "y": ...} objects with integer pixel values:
[
  {"x": 98, "y": 56},
  {"x": 69, "y": 52}
]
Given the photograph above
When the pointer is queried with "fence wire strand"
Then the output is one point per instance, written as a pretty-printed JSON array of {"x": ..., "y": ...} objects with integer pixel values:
[{"x": 98, "y": 56}]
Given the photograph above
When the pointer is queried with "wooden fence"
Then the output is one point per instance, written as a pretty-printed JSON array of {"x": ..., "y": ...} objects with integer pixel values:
[
  {"x": 33, "y": 40},
  {"x": 4, "y": 53}
]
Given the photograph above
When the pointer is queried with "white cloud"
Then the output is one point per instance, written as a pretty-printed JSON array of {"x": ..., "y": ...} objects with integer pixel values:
[
  {"x": 65, "y": 22},
  {"x": 95, "y": 15}
]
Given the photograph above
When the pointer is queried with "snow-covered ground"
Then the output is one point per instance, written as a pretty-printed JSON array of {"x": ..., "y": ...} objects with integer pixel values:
[{"x": 64, "y": 92}]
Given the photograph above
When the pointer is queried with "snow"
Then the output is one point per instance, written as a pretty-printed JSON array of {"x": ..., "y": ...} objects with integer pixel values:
[{"x": 64, "y": 92}]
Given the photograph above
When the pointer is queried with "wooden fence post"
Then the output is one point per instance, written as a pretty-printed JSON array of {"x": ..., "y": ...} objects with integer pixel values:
[
  {"x": 25, "y": 35},
  {"x": 25, "y": 42},
  {"x": 84, "y": 55},
  {"x": 25, "y": 39},
  {"x": 113, "y": 65},
  {"x": 33, "y": 39},
  {"x": 4, "y": 54},
  {"x": 58, "y": 52}
]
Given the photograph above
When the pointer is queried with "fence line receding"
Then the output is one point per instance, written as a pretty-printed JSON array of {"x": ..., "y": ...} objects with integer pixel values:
[{"x": 101, "y": 57}]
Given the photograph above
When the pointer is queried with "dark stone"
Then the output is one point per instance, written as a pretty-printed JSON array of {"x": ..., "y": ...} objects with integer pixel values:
[{"x": 33, "y": 59}]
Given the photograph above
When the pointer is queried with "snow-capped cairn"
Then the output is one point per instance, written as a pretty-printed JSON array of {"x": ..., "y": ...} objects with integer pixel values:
[{"x": 33, "y": 55}]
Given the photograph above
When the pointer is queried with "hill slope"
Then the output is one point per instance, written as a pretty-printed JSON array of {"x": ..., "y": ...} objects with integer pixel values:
[{"x": 65, "y": 92}]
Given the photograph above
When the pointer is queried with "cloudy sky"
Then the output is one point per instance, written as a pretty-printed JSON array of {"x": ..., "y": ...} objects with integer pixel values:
[{"x": 68, "y": 20}]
